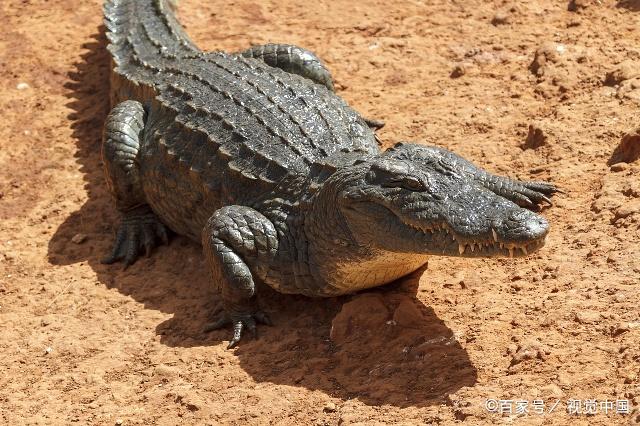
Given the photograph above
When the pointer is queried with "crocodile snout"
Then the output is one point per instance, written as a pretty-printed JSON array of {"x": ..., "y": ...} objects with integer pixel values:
[{"x": 521, "y": 226}]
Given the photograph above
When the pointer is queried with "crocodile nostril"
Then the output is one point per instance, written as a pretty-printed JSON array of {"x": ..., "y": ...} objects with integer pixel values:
[{"x": 537, "y": 228}]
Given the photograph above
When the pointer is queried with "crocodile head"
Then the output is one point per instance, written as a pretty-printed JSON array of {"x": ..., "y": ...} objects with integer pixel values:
[{"x": 409, "y": 206}]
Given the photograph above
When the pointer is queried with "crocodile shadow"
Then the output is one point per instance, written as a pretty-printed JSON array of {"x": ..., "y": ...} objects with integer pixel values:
[
  {"x": 633, "y": 5},
  {"x": 371, "y": 354}
]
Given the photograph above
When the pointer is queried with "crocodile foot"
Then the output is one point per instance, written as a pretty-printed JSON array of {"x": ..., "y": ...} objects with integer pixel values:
[
  {"x": 139, "y": 230},
  {"x": 530, "y": 194},
  {"x": 240, "y": 321}
]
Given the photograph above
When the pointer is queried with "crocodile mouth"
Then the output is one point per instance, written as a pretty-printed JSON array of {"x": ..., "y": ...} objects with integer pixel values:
[
  {"x": 406, "y": 235},
  {"x": 455, "y": 244}
]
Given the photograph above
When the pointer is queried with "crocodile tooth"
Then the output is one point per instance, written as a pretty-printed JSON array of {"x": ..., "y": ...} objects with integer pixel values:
[
  {"x": 495, "y": 236},
  {"x": 473, "y": 247},
  {"x": 524, "y": 250},
  {"x": 510, "y": 251},
  {"x": 461, "y": 248}
]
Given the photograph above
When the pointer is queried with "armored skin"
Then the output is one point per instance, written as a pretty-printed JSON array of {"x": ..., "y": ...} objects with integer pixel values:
[{"x": 256, "y": 157}]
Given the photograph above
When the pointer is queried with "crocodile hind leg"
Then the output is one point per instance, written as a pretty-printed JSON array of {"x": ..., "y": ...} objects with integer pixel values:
[
  {"x": 292, "y": 59},
  {"x": 234, "y": 238},
  {"x": 139, "y": 229},
  {"x": 298, "y": 60}
]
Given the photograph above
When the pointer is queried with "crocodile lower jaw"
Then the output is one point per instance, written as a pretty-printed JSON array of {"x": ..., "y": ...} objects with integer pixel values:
[{"x": 478, "y": 248}]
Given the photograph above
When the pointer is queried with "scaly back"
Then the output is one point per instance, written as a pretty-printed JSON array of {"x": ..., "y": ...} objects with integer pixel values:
[{"x": 267, "y": 123}]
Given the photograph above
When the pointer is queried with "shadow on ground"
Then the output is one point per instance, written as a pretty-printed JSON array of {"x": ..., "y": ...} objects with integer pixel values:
[
  {"x": 633, "y": 5},
  {"x": 382, "y": 346}
]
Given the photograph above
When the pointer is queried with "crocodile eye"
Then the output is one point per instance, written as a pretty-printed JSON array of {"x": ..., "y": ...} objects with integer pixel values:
[
  {"x": 407, "y": 182},
  {"x": 413, "y": 183}
]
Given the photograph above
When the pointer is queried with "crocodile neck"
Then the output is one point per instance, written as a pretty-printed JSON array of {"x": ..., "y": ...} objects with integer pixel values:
[{"x": 336, "y": 258}]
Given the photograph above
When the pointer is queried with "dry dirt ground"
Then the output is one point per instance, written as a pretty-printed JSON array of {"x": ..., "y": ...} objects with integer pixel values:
[{"x": 87, "y": 343}]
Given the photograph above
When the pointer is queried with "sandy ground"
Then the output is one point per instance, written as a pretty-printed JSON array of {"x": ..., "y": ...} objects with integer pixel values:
[{"x": 87, "y": 343}]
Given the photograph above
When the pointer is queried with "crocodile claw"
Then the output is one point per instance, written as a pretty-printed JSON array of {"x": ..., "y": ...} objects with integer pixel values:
[
  {"x": 241, "y": 322},
  {"x": 530, "y": 194},
  {"x": 140, "y": 231}
]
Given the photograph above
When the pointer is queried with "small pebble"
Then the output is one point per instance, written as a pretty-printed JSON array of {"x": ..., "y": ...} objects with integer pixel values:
[
  {"x": 48, "y": 350},
  {"x": 518, "y": 276},
  {"x": 458, "y": 71},
  {"x": 535, "y": 138},
  {"x": 620, "y": 297},
  {"x": 165, "y": 371},
  {"x": 531, "y": 349},
  {"x": 630, "y": 378},
  {"x": 619, "y": 167},
  {"x": 628, "y": 150},
  {"x": 549, "y": 321},
  {"x": 119, "y": 422},
  {"x": 330, "y": 407},
  {"x": 79, "y": 238},
  {"x": 517, "y": 286},
  {"x": 22, "y": 86},
  {"x": 552, "y": 390},
  {"x": 622, "y": 72},
  {"x": 627, "y": 209},
  {"x": 620, "y": 328},
  {"x": 588, "y": 317},
  {"x": 547, "y": 53},
  {"x": 500, "y": 18}
]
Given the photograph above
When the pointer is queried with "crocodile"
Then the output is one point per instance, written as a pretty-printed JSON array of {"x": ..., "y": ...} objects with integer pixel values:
[{"x": 256, "y": 157}]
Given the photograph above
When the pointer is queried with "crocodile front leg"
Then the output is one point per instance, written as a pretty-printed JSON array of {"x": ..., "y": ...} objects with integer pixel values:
[
  {"x": 139, "y": 228},
  {"x": 236, "y": 240}
]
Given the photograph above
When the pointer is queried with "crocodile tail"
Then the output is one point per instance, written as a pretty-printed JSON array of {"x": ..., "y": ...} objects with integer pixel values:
[{"x": 141, "y": 34}]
